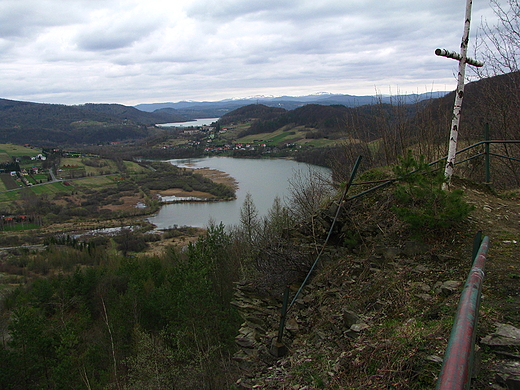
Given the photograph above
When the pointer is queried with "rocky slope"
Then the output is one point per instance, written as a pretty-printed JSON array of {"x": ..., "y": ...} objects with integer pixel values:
[{"x": 380, "y": 317}]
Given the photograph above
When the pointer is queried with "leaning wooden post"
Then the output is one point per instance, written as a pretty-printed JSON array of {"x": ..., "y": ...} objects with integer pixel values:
[{"x": 463, "y": 59}]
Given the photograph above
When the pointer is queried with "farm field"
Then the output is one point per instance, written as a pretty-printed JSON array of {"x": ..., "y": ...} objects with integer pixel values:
[
  {"x": 17, "y": 151},
  {"x": 8, "y": 196},
  {"x": 7, "y": 182},
  {"x": 232, "y": 132},
  {"x": 68, "y": 165},
  {"x": 3, "y": 186},
  {"x": 31, "y": 180},
  {"x": 275, "y": 137},
  {"x": 134, "y": 167},
  {"x": 20, "y": 227},
  {"x": 5, "y": 158},
  {"x": 51, "y": 188},
  {"x": 71, "y": 161},
  {"x": 97, "y": 181},
  {"x": 295, "y": 135},
  {"x": 41, "y": 176},
  {"x": 97, "y": 166}
]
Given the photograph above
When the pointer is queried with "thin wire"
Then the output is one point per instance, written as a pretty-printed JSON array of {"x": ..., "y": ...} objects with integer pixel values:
[{"x": 352, "y": 175}]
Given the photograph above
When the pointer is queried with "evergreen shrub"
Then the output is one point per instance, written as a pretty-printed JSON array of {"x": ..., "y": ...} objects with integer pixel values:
[{"x": 421, "y": 201}]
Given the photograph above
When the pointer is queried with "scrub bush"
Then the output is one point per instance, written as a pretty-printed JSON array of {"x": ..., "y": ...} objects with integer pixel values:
[{"x": 421, "y": 202}]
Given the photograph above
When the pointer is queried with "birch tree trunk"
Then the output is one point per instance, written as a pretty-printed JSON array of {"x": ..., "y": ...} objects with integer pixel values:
[{"x": 457, "y": 107}]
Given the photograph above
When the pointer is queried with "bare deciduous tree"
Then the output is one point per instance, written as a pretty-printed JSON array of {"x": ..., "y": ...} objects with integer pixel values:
[
  {"x": 308, "y": 190},
  {"x": 249, "y": 218},
  {"x": 499, "y": 46}
]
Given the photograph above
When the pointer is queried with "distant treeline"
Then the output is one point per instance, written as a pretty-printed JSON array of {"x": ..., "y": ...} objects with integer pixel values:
[{"x": 60, "y": 125}]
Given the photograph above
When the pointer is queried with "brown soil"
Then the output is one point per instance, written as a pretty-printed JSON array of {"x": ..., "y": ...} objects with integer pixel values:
[{"x": 496, "y": 215}]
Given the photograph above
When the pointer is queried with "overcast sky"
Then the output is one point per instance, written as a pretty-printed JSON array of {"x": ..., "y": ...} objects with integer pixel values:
[{"x": 136, "y": 51}]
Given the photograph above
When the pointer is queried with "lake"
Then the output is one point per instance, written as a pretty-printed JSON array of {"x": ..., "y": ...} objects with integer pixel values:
[
  {"x": 194, "y": 123},
  {"x": 264, "y": 179}
]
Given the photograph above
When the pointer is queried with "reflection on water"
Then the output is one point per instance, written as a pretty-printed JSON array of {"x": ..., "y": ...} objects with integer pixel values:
[
  {"x": 174, "y": 198},
  {"x": 264, "y": 179},
  {"x": 193, "y": 123}
]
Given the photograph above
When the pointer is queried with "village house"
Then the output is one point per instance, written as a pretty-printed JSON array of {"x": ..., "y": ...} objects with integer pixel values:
[
  {"x": 39, "y": 157},
  {"x": 191, "y": 132}
]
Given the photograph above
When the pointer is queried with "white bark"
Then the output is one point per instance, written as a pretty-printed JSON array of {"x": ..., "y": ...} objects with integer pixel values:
[{"x": 452, "y": 150}]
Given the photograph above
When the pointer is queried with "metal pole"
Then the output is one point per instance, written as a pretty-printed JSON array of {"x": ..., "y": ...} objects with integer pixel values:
[
  {"x": 347, "y": 186},
  {"x": 278, "y": 348},
  {"x": 458, "y": 359},
  {"x": 488, "y": 168},
  {"x": 283, "y": 316},
  {"x": 477, "y": 241}
]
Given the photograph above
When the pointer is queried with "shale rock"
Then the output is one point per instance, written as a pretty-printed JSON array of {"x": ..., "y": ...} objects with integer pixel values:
[
  {"x": 506, "y": 337},
  {"x": 508, "y": 375}
]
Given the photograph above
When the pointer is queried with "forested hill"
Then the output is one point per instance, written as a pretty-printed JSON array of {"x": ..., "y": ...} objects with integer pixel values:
[
  {"x": 54, "y": 124},
  {"x": 252, "y": 111},
  {"x": 133, "y": 114},
  {"x": 311, "y": 115},
  {"x": 327, "y": 121},
  {"x": 493, "y": 100}
]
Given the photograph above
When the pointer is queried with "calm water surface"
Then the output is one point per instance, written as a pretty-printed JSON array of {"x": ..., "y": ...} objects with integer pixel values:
[
  {"x": 264, "y": 179},
  {"x": 193, "y": 123}
]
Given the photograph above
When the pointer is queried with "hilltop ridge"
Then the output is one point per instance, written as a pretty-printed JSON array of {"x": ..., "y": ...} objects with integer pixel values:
[{"x": 291, "y": 102}]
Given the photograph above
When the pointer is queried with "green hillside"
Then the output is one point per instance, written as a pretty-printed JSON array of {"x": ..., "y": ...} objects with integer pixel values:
[{"x": 57, "y": 125}]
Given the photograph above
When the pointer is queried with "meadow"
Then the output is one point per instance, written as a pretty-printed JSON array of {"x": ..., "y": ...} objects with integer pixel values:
[
  {"x": 295, "y": 135},
  {"x": 13, "y": 150}
]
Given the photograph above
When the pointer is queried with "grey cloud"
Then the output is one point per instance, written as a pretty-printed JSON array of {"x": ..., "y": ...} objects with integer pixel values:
[
  {"x": 302, "y": 12},
  {"x": 27, "y": 18},
  {"x": 231, "y": 9},
  {"x": 101, "y": 40},
  {"x": 115, "y": 34},
  {"x": 129, "y": 49}
]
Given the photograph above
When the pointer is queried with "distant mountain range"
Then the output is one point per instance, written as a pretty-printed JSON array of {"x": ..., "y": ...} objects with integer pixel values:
[
  {"x": 54, "y": 124},
  {"x": 194, "y": 109},
  {"x": 58, "y": 124}
]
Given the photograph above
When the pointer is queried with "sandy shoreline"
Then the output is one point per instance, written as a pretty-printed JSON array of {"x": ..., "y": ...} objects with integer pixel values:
[
  {"x": 213, "y": 174},
  {"x": 216, "y": 176}
]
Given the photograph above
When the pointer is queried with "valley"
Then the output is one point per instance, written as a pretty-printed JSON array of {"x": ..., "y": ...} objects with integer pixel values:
[
  {"x": 61, "y": 192},
  {"x": 94, "y": 297}
]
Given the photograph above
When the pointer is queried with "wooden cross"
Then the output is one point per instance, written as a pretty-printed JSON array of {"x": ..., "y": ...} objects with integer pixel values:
[{"x": 463, "y": 60}]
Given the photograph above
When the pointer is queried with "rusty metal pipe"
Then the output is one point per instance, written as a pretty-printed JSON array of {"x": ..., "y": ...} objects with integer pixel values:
[{"x": 458, "y": 360}]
